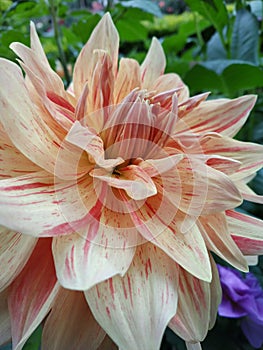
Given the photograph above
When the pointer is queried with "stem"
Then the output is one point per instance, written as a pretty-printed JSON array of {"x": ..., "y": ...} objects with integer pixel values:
[
  {"x": 199, "y": 35},
  {"x": 62, "y": 57}
]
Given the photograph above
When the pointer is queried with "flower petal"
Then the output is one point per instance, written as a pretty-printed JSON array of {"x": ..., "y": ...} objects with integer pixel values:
[
  {"x": 28, "y": 308},
  {"x": 70, "y": 324},
  {"x": 5, "y": 326},
  {"x": 35, "y": 58},
  {"x": 27, "y": 131},
  {"x": 217, "y": 237},
  {"x": 15, "y": 250},
  {"x": 153, "y": 65},
  {"x": 12, "y": 162},
  {"x": 121, "y": 305},
  {"x": 221, "y": 115},
  {"x": 102, "y": 251},
  {"x": 171, "y": 81},
  {"x": 128, "y": 78},
  {"x": 248, "y": 193},
  {"x": 85, "y": 139},
  {"x": 42, "y": 208},
  {"x": 196, "y": 188},
  {"x": 246, "y": 231},
  {"x": 215, "y": 294},
  {"x": 104, "y": 37},
  {"x": 250, "y": 155},
  {"x": 191, "y": 321},
  {"x": 133, "y": 179},
  {"x": 160, "y": 223}
]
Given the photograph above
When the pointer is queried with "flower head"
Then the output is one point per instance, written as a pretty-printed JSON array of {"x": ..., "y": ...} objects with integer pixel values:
[
  {"x": 243, "y": 297},
  {"x": 113, "y": 193}
]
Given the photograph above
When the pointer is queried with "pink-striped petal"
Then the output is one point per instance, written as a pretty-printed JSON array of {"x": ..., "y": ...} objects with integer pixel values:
[
  {"x": 161, "y": 223},
  {"x": 218, "y": 239},
  {"x": 248, "y": 193},
  {"x": 215, "y": 294},
  {"x": 35, "y": 58},
  {"x": 196, "y": 188},
  {"x": 153, "y": 65},
  {"x": 5, "y": 325},
  {"x": 42, "y": 208},
  {"x": 128, "y": 78},
  {"x": 133, "y": 179},
  {"x": 26, "y": 130},
  {"x": 101, "y": 82},
  {"x": 121, "y": 305},
  {"x": 12, "y": 162},
  {"x": 15, "y": 250},
  {"x": 246, "y": 231},
  {"x": 193, "y": 315},
  {"x": 85, "y": 139},
  {"x": 222, "y": 116},
  {"x": 104, "y": 37},
  {"x": 250, "y": 155},
  {"x": 70, "y": 324},
  {"x": 171, "y": 81},
  {"x": 32, "y": 293},
  {"x": 191, "y": 103},
  {"x": 98, "y": 253}
]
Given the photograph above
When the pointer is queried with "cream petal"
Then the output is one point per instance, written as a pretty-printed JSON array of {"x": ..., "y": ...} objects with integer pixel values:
[
  {"x": 85, "y": 139},
  {"x": 94, "y": 255},
  {"x": 42, "y": 208},
  {"x": 160, "y": 223},
  {"x": 153, "y": 65},
  {"x": 171, "y": 81},
  {"x": 5, "y": 325},
  {"x": 190, "y": 104},
  {"x": 104, "y": 37},
  {"x": 246, "y": 231},
  {"x": 28, "y": 308},
  {"x": 70, "y": 324},
  {"x": 215, "y": 293},
  {"x": 250, "y": 155},
  {"x": 221, "y": 115},
  {"x": 196, "y": 188},
  {"x": 15, "y": 250},
  {"x": 12, "y": 162},
  {"x": 215, "y": 231},
  {"x": 133, "y": 179},
  {"x": 121, "y": 305},
  {"x": 128, "y": 78},
  {"x": 249, "y": 194},
  {"x": 191, "y": 321},
  {"x": 27, "y": 131},
  {"x": 193, "y": 346}
]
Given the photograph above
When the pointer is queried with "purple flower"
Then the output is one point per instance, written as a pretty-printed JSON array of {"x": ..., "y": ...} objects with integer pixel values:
[{"x": 243, "y": 297}]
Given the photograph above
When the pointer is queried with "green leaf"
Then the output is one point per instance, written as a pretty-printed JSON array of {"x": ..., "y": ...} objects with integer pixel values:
[
  {"x": 130, "y": 26},
  {"x": 34, "y": 341},
  {"x": 214, "y": 10},
  {"x": 83, "y": 28},
  {"x": 245, "y": 38},
  {"x": 131, "y": 30},
  {"x": 146, "y": 6},
  {"x": 215, "y": 48},
  {"x": 200, "y": 79}
]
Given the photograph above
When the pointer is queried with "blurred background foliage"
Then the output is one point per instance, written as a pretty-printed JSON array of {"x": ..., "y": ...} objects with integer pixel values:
[{"x": 214, "y": 45}]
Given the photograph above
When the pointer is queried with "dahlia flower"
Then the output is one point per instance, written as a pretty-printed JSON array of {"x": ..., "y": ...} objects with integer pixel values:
[{"x": 113, "y": 194}]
